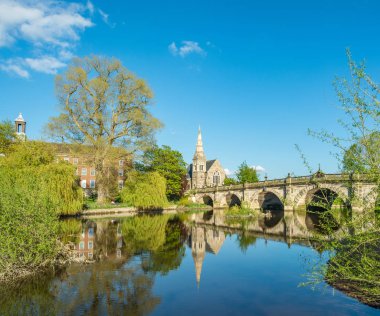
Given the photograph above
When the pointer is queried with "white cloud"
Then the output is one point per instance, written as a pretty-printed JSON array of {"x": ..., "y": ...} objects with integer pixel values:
[
  {"x": 47, "y": 29},
  {"x": 228, "y": 172},
  {"x": 90, "y": 7},
  {"x": 186, "y": 48},
  {"x": 12, "y": 67},
  {"x": 42, "y": 22},
  {"x": 105, "y": 18},
  {"x": 259, "y": 168},
  {"x": 47, "y": 64}
]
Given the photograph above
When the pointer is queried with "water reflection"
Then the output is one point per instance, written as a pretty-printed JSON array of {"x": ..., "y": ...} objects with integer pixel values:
[{"x": 127, "y": 256}]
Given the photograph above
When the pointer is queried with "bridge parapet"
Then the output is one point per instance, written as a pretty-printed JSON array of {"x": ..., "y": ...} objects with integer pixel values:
[{"x": 294, "y": 192}]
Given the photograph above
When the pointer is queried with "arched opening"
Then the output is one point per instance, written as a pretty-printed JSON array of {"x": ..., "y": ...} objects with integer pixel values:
[
  {"x": 233, "y": 200},
  {"x": 207, "y": 216},
  {"x": 216, "y": 178},
  {"x": 270, "y": 202},
  {"x": 325, "y": 210},
  {"x": 208, "y": 200}
]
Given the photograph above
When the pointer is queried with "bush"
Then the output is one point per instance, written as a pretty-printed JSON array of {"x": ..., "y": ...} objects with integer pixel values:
[
  {"x": 34, "y": 191},
  {"x": 145, "y": 190},
  {"x": 184, "y": 201}
]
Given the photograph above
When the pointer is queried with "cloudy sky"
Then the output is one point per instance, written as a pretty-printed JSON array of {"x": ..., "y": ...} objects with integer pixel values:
[{"x": 255, "y": 75}]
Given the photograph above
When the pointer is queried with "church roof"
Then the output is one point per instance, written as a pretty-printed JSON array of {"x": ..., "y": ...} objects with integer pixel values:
[{"x": 209, "y": 163}]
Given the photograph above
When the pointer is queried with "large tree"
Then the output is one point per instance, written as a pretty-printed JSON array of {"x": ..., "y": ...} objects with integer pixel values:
[
  {"x": 103, "y": 105},
  {"x": 246, "y": 174},
  {"x": 358, "y": 147},
  {"x": 170, "y": 164}
]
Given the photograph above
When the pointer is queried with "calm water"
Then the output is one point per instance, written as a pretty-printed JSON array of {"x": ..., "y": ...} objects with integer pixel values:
[{"x": 197, "y": 264}]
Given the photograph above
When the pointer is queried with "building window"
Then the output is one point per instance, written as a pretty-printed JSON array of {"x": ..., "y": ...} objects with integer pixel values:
[
  {"x": 216, "y": 178},
  {"x": 67, "y": 159},
  {"x": 84, "y": 172},
  {"x": 90, "y": 245},
  {"x": 92, "y": 184},
  {"x": 90, "y": 255},
  {"x": 201, "y": 167},
  {"x": 121, "y": 184},
  {"x": 75, "y": 161},
  {"x": 93, "y": 172},
  {"x": 195, "y": 168},
  {"x": 121, "y": 162},
  {"x": 83, "y": 184},
  {"x": 91, "y": 232},
  {"x": 81, "y": 245},
  {"x": 121, "y": 172}
]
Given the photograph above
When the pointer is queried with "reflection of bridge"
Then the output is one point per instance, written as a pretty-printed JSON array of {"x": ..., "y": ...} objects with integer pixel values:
[
  {"x": 356, "y": 191},
  {"x": 207, "y": 232}
]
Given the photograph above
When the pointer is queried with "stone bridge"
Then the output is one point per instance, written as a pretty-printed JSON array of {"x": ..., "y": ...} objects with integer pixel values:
[{"x": 358, "y": 192}]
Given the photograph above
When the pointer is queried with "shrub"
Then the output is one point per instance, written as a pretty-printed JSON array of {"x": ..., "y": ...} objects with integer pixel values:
[
  {"x": 34, "y": 190},
  {"x": 145, "y": 190}
]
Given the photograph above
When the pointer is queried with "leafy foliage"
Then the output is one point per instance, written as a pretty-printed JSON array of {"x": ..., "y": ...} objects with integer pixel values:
[
  {"x": 354, "y": 257},
  {"x": 170, "y": 164},
  {"x": 230, "y": 181},
  {"x": 33, "y": 192},
  {"x": 145, "y": 190},
  {"x": 246, "y": 174},
  {"x": 7, "y": 136}
]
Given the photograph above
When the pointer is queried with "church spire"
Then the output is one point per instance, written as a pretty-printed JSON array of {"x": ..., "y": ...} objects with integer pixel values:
[{"x": 199, "y": 152}]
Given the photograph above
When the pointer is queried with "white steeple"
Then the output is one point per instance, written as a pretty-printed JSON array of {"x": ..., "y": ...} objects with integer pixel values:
[{"x": 199, "y": 152}]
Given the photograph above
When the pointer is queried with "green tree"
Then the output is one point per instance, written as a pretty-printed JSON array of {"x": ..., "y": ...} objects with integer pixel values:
[
  {"x": 170, "y": 164},
  {"x": 358, "y": 148},
  {"x": 103, "y": 105},
  {"x": 7, "y": 136},
  {"x": 353, "y": 263},
  {"x": 355, "y": 158},
  {"x": 145, "y": 190},
  {"x": 246, "y": 174}
]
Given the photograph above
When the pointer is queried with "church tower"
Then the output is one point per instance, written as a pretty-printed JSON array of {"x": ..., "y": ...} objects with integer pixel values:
[
  {"x": 199, "y": 164},
  {"x": 20, "y": 126}
]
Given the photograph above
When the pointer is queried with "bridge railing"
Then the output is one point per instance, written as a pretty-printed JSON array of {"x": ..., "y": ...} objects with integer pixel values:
[{"x": 317, "y": 177}]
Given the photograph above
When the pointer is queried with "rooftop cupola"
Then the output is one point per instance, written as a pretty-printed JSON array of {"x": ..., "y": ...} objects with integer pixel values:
[{"x": 20, "y": 126}]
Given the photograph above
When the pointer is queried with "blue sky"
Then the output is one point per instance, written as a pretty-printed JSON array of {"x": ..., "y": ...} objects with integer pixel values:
[{"x": 255, "y": 75}]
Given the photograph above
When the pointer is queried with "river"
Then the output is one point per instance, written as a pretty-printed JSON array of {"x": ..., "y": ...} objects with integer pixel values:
[{"x": 187, "y": 264}]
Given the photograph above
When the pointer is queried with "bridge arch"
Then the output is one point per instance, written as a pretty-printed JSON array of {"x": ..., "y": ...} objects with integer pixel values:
[
  {"x": 233, "y": 199},
  {"x": 269, "y": 201},
  {"x": 208, "y": 200},
  {"x": 305, "y": 195}
]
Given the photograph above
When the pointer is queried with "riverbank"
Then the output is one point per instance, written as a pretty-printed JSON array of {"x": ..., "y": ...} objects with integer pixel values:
[{"x": 131, "y": 211}]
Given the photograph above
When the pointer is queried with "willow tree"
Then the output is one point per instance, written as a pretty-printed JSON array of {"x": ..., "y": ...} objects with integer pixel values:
[{"x": 103, "y": 106}]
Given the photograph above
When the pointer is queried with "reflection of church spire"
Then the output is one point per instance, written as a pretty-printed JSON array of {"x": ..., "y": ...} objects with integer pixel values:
[{"x": 198, "y": 248}]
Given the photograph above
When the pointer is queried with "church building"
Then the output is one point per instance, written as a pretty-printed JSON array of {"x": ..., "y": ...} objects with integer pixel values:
[{"x": 204, "y": 173}]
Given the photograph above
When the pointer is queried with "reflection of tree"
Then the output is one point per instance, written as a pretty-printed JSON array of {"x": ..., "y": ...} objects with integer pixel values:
[
  {"x": 144, "y": 232},
  {"x": 107, "y": 288},
  {"x": 169, "y": 255},
  {"x": 245, "y": 240},
  {"x": 31, "y": 297}
]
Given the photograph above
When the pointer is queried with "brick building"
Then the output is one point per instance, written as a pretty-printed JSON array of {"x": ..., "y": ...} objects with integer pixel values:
[{"x": 80, "y": 156}]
